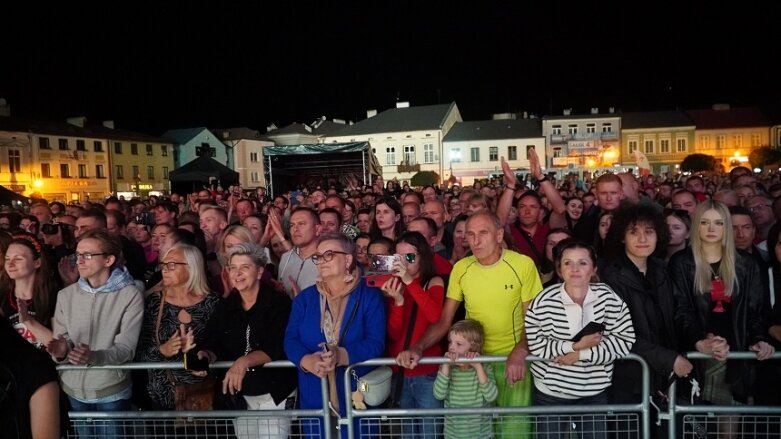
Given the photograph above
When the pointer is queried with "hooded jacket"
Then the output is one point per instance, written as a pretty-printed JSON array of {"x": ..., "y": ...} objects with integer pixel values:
[
  {"x": 108, "y": 319},
  {"x": 693, "y": 313},
  {"x": 651, "y": 303}
]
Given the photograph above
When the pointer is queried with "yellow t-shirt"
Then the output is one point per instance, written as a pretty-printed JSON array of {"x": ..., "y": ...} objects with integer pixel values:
[{"x": 494, "y": 296}]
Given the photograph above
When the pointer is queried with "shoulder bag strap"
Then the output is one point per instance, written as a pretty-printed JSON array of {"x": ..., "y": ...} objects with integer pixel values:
[
  {"x": 543, "y": 262},
  {"x": 157, "y": 333}
]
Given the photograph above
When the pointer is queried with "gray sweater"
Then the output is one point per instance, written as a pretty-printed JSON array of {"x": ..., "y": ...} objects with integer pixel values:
[{"x": 109, "y": 322}]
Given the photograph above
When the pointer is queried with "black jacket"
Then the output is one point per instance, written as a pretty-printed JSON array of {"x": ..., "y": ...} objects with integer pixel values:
[
  {"x": 650, "y": 301},
  {"x": 267, "y": 321},
  {"x": 693, "y": 311}
]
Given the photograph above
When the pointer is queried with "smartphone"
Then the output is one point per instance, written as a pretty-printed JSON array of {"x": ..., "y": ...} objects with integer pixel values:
[
  {"x": 376, "y": 280},
  {"x": 382, "y": 263},
  {"x": 591, "y": 328},
  {"x": 192, "y": 362}
]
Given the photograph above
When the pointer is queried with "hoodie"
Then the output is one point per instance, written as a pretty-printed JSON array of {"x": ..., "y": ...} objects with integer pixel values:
[{"x": 108, "y": 319}]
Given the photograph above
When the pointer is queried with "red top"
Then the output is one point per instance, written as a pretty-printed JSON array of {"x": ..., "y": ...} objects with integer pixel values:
[
  {"x": 442, "y": 267},
  {"x": 429, "y": 310},
  {"x": 539, "y": 238}
]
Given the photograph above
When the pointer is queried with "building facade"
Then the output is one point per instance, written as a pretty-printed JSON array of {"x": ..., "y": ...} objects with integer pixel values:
[
  {"x": 665, "y": 137},
  {"x": 729, "y": 134},
  {"x": 139, "y": 164},
  {"x": 583, "y": 142},
  {"x": 247, "y": 146}
]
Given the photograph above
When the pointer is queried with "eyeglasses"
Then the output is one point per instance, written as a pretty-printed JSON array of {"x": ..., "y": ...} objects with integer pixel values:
[
  {"x": 758, "y": 207},
  {"x": 170, "y": 266},
  {"x": 87, "y": 256},
  {"x": 326, "y": 256},
  {"x": 410, "y": 257}
]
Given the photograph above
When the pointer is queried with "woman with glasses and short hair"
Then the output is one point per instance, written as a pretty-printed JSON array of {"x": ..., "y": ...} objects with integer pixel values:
[
  {"x": 248, "y": 328},
  {"x": 336, "y": 322},
  {"x": 181, "y": 309},
  {"x": 416, "y": 295},
  {"x": 97, "y": 321}
]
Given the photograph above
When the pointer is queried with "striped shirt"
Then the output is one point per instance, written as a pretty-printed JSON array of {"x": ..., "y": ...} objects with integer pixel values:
[
  {"x": 462, "y": 389},
  {"x": 553, "y": 319}
]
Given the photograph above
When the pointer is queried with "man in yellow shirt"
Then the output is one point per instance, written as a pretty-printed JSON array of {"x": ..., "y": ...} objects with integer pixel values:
[{"x": 496, "y": 286}]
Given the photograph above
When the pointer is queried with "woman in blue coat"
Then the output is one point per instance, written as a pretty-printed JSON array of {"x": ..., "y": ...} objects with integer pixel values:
[{"x": 334, "y": 323}]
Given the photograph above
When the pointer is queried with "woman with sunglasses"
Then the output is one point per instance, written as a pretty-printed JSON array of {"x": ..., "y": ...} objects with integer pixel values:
[
  {"x": 336, "y": 322},
  {"x": 182, "y": 309},
  {"x": 416, "y": 296}
]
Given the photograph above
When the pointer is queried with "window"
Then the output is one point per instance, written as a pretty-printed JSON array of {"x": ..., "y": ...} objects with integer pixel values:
[
  {"x": 65, "y": 171},
  {"x": 409, "y": 154},
  {"x": 117, "y": 147},
  {"x": 632, "y": 146},
  {"x": 556, "y": 129},
  {"x": 165, "y": 172},
  {"x": 428, "y": 153},
  {"x": 134, "y": 148},
  {"x": 97, "y": 146},
  {"x": 254, "y": 177},
  {"x": 649, "y": 146},
  {"x": 119, "y": 172},
  {"x": 80, "y": 145},
  {"x": 681, "y": 145},
  {"x": 43, "y": 143},
  {"x": 150, "y": 172},
  {"x": 493, "y": 153},
  {"x": 390, "y": 155},
  {"x": 572, "y": 128},
  {"x": 737, "y": 141},
  {"x": 721, "y": 141},
  {"x": 474, "y": 154},
  {"x": 253, "y": 157},
  {"x": 556, "y": 152},
  {"x": 63, "y": 144},
  {"x": 164, "y": 150},
  {"x": 99, "y": 171},
  {"x": 149, "y": 149},
  {"x": 664, "y": 146},
  {"x": 46, "y": 170},
  {"x": 455, "y": 155},
  {"x": 591, "y": 128},
  {"x": 755, "y": 139},
  {"x": 607, "y": 128},
  {"x": 14, "y": 161},
  {"x": 82, "y": 171},
  {"x": 136, "y": 172},
  {"x": 705, "y": 142},
  {"x": 512, "y": 152}
]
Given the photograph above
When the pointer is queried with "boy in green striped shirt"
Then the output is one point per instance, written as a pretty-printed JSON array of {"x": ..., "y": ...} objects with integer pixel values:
[{"x": 466, "y": 385}]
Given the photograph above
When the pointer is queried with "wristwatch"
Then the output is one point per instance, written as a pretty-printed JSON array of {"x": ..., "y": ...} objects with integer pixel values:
[{"x": 540, "y": 180}]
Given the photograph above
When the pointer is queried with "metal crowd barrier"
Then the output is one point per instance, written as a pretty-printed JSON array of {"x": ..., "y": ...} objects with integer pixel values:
[
  {"x": 619, "y": 419},
  {"x": 243, "y": 424},
  {"x": 717, "y": 421}
]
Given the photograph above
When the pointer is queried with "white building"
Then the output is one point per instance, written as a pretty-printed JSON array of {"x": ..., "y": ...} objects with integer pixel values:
[
  {"x": 583, "y": 141},
  {"x": 473, "y": 149},
  {"x": 247, "y": 145},
  {"x": 405, "y": 139}
]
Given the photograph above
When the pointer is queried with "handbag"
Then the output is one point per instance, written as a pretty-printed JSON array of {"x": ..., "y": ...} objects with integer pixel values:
[
  {"x": 197, "y": 396},
  {"x": 375, "y": 386}
]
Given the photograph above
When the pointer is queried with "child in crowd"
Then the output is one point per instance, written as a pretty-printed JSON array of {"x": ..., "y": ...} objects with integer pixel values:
[{"x": 466, "y": 385}]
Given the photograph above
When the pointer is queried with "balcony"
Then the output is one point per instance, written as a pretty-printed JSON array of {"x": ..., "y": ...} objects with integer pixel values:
[
  {"x": 407, "y": 167},
  {"x": 610, "y": 136}
]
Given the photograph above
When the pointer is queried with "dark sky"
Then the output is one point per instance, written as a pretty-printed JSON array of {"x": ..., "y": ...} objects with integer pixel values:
[{"x": 155, "y": 66}]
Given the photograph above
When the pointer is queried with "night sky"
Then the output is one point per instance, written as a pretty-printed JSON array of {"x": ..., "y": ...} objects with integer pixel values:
[{"x": 152, "y": 66}]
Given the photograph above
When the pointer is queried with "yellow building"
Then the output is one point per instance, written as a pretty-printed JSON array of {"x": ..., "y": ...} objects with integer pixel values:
[
  {"x": 729, "y": 134},
  {"x": 139, "y": 164}
]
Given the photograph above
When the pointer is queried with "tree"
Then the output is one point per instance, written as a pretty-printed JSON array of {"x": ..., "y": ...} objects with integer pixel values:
[
  {"x": 764, "y": 156},
  {"x": 424, "y": 178},
  {"x": 698, "y": 162}
]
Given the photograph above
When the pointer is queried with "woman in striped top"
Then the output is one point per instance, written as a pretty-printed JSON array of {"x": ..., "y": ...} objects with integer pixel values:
[{"x": 579, "y": 366}]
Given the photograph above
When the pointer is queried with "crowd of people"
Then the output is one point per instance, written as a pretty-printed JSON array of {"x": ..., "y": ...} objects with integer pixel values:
[{"x": 580, "y": 272}]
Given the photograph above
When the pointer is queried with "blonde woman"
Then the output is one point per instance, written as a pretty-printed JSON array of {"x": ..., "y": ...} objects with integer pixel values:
[
  {"x": 232, "y": 236},
  {"x": 718, "y": 292},
  {"x": 183, "y": 308}
]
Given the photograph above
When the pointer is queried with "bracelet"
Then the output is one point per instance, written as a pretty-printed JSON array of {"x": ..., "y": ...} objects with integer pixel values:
[{"x": 540, "y": 180}]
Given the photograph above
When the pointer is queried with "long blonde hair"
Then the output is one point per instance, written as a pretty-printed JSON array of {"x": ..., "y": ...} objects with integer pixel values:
[{"x": 702, "y": 271}]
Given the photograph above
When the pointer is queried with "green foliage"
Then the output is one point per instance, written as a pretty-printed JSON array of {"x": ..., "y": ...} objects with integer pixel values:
[
  {"x": 764, "y": 156},
  {"x": 424, "y": 178},
  {"x": 698, "y": 162}
]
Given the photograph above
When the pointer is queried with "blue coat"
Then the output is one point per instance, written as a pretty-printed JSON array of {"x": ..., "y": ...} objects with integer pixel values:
[{"x": 364, "y": 339}]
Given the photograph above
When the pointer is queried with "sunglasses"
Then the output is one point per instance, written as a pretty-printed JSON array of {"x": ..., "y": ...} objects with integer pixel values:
[{"x": 410, "y": 257}]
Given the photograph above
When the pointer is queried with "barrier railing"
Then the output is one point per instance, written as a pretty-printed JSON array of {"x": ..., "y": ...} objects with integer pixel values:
[
  {"x": 194, "y": 424},
  {"x": 700, "y": 421},
  {"x": 696, "y": 421},
  {"x": 615, "y": 414}
]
